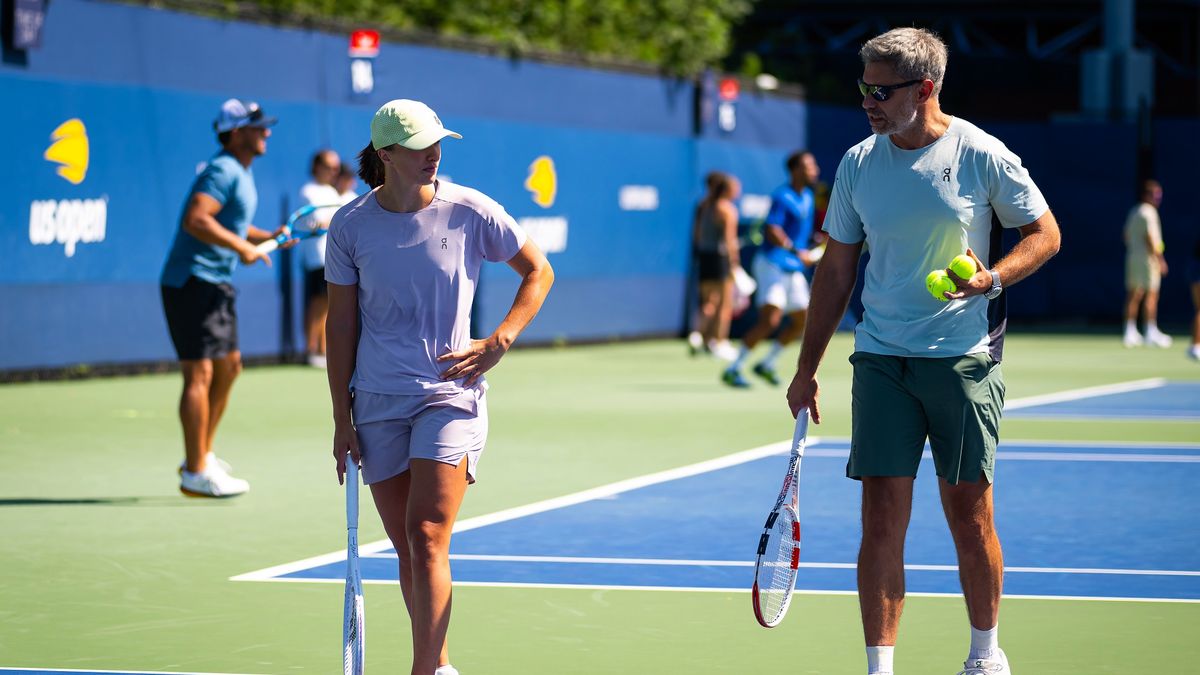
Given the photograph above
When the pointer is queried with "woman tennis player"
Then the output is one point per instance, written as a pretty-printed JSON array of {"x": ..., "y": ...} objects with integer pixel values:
[{"x": 406, "y": 378}]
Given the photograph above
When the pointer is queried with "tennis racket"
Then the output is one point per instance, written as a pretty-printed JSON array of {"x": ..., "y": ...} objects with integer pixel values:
[
  {"x": 302, "y": 224},
  {"x": 354, "y": 625},
  {"x": 779, "y": 546}
]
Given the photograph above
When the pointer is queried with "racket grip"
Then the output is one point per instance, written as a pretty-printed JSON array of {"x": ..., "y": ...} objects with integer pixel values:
[
  {"x": 268, "y": 246},
  {"x": 351, "y": 494},
  {"x": 801, "y": 428}
]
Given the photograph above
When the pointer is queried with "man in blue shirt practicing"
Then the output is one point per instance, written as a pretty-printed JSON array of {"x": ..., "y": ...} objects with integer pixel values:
[
  {"x": 198, "y": 295},
  {"x": 779, "y": 269}
]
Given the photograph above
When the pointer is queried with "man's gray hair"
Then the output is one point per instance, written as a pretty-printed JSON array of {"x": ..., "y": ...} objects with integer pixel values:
[{"x": 915, "y": 53}]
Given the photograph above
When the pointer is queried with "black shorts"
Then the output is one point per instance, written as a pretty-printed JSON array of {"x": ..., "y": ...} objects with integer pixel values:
[
  {"x": 201, "y": 318},
  {"x": 315, "y": 285},
  {"x": 713, "y": 265}
]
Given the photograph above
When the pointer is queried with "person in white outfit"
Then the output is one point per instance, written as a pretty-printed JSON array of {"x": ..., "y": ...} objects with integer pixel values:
[
  {"x": 320, "y": 191},
  {"x": 1145, "y": 267}
]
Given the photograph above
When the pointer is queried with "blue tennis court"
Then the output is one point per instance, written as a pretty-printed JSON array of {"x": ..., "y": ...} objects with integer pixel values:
[{"x": 1074, "y": 520}]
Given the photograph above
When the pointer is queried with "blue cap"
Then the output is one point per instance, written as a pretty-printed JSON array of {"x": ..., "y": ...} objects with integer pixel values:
[{"x": 236, "y": 114}]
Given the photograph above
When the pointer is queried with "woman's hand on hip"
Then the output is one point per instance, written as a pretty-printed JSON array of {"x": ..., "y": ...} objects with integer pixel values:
[{"x": 478, "y": 358}]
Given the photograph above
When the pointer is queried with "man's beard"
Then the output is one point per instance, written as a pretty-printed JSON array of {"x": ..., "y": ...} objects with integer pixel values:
[{"x": 904, "y": 120}]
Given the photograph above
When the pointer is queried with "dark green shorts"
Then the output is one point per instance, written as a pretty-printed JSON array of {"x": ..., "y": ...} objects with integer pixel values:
[{"x": 899, "y": 401}]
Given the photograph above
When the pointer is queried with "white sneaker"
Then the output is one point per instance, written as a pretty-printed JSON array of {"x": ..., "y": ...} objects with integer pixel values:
[
  {"x": 724, "y": 351},
  {"x": 1133, "y": 339},
  {"x": 214, "y": 462},
  {"x": 316, "y": 360},
  {"x": 998, "y": 665},
  {"x": 1194, "y": 352},
  {"x": 446, "y": 670},
  {"x": 695, "y": 343},
  {"x": 1158, "y": 339},
  {"x": 212, "y": 482}
]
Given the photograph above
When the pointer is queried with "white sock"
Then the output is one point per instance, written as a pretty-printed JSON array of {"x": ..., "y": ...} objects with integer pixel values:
[
  {"x": 773, "y": 355},
  {"x": 1151, "y": 327},
  {"x": 983, "y": 643},
  {"x": 740, "y": 361},
  {"x": 1131, "y": 327},
  {"x": 879, "y": 660}
]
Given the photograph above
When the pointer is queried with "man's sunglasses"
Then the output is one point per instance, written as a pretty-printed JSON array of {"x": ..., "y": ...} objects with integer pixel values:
[{"x": 882, "y": 92}]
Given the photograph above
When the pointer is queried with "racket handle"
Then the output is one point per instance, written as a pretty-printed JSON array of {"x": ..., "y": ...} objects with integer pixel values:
[
  {"x": 351, "y": 494},
  {"x": 268, "y": 246},
  {"x": 801, "y": 429}
]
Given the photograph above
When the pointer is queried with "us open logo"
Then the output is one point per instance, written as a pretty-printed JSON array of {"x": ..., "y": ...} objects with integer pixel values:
[{"x": 69, "y": 222}]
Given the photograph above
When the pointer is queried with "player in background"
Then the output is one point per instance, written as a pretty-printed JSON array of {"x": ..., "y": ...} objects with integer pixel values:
[
  {"x": 921, "y": 190},
  {"x": 715, "y": 245},
  {"x": 215, "y": 233},
  {"x": 319, "y": 191},
  {"x": 1145, "y": 266},
  {"x": 779, "y": 270},
  {"x": 405, "y": 376}
]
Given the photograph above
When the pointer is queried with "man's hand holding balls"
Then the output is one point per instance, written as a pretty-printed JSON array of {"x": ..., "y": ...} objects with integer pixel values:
[{"x": 961, "y": 279}]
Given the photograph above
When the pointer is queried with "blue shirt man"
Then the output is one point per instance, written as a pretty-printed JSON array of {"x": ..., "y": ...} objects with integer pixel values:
[
  {"x": 779, "y": 270},
  {"x": 198, "y": 298},
  {"x": 232, "y": 186},
  {"x": 792, "y": 211}
]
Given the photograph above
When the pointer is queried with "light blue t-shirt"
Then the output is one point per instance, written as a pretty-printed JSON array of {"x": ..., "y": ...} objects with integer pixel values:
[
  {"x": 792, "y": 212},
  {"x": 416, "y": 275},
  {"x": 917, "y": 209},
  {"x": 232, "y": 185}
]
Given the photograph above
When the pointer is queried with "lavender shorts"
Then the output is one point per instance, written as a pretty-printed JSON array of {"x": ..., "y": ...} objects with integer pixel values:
[{"x": 394, "y": 430}]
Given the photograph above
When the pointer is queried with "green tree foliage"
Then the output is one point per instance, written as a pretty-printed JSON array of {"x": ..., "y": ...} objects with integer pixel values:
[{"x": 681, "y": 37}]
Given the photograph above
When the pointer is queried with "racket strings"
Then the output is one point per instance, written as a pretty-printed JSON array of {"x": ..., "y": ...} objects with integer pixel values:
[{"x": 778, "y": 573}]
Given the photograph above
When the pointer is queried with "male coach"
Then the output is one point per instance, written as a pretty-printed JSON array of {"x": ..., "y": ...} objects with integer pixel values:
[
  {"x": 923, "y": 189},
  {"x": 198, "y": 295}
]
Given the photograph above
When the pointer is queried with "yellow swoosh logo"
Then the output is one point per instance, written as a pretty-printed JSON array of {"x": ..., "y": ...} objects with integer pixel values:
[
  {"x": 70, "y": 150},
  {"x": 542, "y": 181}
]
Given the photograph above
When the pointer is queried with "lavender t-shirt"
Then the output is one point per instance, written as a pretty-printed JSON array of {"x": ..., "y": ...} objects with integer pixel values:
[{"x": 416, "y": 275}]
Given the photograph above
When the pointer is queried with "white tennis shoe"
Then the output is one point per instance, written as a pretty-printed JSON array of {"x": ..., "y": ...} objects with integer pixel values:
[
  {"x": 213, "y": 462},
  {"x": 997, "y": 665},
  {"x": 212, "y": 482},
  {"x": 446, "y": 670},
  {"x": 1157, "y": 338}
]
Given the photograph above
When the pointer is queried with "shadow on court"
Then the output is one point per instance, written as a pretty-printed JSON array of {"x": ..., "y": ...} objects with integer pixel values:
[{"x": 155, "y": 500}]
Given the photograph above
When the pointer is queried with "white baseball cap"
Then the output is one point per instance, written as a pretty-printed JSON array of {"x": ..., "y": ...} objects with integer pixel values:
[
  {"x": 411, "y": 124},
  {"x": 236, "y": 114}
]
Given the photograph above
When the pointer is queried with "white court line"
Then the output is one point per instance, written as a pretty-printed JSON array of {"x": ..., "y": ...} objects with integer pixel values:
[
  {"x": 697, "y": 589},
  {"x": 583, "y": 560},
  {"x": 271, "y": 573},
  {"x": 1163, "y": 445},
  {"x": 3, "y": 669},
  {"x": 1086, "y": 392},
  {"x": 1009, "y": 455},
  {"x": 1183, "y": 418}
]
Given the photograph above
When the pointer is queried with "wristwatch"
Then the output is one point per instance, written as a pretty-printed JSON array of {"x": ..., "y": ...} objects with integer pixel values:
[{"x": 996, "y": 288}]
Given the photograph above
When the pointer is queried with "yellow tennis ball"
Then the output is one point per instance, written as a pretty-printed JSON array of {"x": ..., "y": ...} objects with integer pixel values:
[
  {"x": 963, "y": 266},
  {"x": 938, "y": 282}
]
